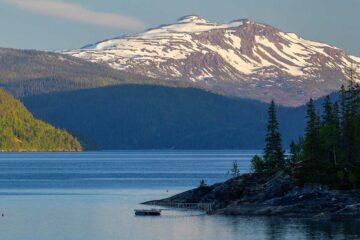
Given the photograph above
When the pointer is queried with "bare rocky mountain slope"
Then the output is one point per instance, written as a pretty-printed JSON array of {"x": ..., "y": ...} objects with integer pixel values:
[{"x": 241, "y": 58}]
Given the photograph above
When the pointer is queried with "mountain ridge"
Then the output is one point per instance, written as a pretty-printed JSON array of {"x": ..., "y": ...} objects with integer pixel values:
[
  {"x": 31, "y": 72},
  {"x": 241, "y": 58}
]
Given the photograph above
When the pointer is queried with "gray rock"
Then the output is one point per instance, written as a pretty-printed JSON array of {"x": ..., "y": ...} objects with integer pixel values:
[{"x": 273, "y": 195}]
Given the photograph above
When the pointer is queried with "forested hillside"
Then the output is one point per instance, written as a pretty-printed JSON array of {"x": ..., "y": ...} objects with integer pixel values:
[
  {"x": 29, "y": 72},
  {"x": 154, "y": 117},
  {"x": 20, "y": 131}
]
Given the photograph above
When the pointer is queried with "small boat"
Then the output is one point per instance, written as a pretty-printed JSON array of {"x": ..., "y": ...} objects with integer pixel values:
[{"x": 147, "y": 212}]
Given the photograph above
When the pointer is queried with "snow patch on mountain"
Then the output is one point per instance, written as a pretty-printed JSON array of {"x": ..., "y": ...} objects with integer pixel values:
[{"x": 238, "y": 58}]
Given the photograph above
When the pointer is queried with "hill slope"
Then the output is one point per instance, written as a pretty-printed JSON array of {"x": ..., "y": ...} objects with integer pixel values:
[
  {"x": 242, "y": 58},
  {"x": 28, "y": 72},
  {"x": 154, "y": 117},
  {"x": 20, "y": 131}
]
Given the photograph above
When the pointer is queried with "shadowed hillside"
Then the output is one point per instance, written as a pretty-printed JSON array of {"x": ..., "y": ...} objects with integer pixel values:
[{"x": 154, "y": 117}]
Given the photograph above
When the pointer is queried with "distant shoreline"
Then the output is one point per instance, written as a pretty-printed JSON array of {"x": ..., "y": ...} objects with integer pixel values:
[{"x": 41, "y": 151}]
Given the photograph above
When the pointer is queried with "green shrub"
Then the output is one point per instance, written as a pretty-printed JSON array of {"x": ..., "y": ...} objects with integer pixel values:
[
  {"x": 235, "y": 170},
  {"x": 257, "y": 164},
  {"x": 202, "y": 184}
]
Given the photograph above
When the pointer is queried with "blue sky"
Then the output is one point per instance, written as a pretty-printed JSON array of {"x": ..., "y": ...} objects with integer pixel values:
[{"x": 55, "y": 24}]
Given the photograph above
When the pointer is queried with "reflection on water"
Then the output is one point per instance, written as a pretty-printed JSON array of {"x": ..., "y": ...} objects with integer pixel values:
[
  {"x": 109, "y": 215},
  {"x": 68, "y": 198}
]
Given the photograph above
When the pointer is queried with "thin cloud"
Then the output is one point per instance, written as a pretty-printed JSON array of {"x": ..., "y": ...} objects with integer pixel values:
[{"x": 76, "y": 12}]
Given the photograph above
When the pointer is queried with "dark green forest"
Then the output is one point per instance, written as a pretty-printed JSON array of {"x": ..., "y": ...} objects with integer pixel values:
[
  {"x": 155, "y": 117},
  {"x": 329, "y": 151},
  {"x": 20, "y": 131}
]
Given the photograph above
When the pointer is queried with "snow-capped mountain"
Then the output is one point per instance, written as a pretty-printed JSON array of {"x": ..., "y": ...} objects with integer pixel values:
[{"x": 241, "y": 58}]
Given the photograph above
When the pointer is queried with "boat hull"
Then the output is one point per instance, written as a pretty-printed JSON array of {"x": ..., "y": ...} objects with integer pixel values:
[{"x": 147, "y": 212}]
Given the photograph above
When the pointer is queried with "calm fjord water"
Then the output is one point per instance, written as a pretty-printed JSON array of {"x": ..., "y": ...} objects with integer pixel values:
[{"x": 92, "y": 195}]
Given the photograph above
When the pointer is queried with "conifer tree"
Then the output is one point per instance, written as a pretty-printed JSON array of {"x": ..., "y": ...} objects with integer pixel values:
[
  {"x": 328, "y": 111},
  {"x": 273, "y": 152},
  {"x": 329, "y": 131},
  {"x": 344, "y": 123},
  {"x": 354, "y": 126},
  {"x": 336, "y": 134},
  {"x": 351, "y": 120},
  {"x": 296, "y": 151},
  {"x": 235, "y": 170},
  {"x": 312, "y": 140},
  {"x": 343, "y": 107}
]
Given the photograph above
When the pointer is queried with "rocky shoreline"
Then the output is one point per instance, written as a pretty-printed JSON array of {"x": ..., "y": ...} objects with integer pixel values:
[{"x": 272, "y": 195}]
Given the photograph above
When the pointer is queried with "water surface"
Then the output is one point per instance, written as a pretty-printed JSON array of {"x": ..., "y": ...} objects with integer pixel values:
[{"x": 92, "y": 195}]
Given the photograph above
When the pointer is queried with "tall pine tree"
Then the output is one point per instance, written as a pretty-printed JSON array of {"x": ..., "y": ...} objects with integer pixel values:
[
  {"x": 344, "y": 124},
  {"x": 312, "y": 147},
  {"x": 273, "y": 153},
  {"x": 328, "y": 111},
  {"x": 337, "y": 133},
  {"x": 354, "y": 125},
  {"x": 329, "y": 131}
]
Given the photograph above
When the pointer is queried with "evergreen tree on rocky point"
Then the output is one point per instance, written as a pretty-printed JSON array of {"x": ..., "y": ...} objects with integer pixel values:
[
  {"x": 273, "y": 153},
  {"x": 312, "y": 139},
  {"x": 328, "y": 153}
]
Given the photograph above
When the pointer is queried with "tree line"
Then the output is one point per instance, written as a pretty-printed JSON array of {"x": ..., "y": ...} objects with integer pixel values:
[{"x": 329, "y": 151}]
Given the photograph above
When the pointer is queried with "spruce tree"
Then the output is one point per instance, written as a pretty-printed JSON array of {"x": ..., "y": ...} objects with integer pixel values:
[
  {"x": 336, "y": 114},
  {"x": 352, "y": 120},
  {"x": 350, "y": 126},
  {"x": 329, "y": 131},
  {"x": 336, "y": 134},
  {"x": 328, "y": 111},
  {"x": 343, "y": 108},
  {"x": 354, "y": 126},
  {"x": 273, "y": 152},
  {"x": 235, "y": 170},
  {"x": 344, "y": 124},
  {"x": 312, "y": 140},
  {"x": 296, "y": 151}
]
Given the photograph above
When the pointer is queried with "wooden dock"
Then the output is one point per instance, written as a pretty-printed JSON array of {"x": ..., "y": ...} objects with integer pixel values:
[
  {"x": 147, "y": 212},
  {"x": 207, "y": 207}
]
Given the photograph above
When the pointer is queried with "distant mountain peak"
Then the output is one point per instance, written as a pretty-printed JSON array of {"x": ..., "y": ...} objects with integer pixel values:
[
  {"x": 192, "y": 18},
  {"x": 240, "y": 58},
  {"x": 242, "y": 20},
  {"x": 199, "y": 20}
]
